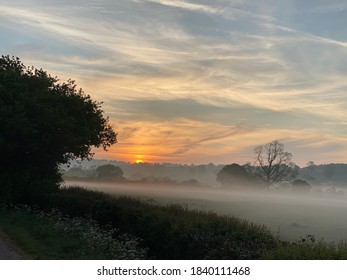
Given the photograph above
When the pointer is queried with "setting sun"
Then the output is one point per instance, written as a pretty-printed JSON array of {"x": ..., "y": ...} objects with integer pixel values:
[{"x": 139, "y": 159}]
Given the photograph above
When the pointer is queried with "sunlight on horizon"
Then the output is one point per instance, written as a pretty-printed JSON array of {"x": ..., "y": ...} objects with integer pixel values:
[
  {"x": 139, "y": 159},
  {"x": 194, "y": 82}
]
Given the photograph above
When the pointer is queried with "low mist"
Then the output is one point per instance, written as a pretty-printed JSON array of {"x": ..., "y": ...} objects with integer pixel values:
[{"x": 288, "y": 216}]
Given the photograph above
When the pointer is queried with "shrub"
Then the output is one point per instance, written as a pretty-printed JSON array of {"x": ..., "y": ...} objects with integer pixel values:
[{"x": 43, "y": 123}]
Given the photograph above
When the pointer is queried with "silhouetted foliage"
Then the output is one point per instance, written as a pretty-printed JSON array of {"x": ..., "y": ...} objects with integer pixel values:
[
  {"x": 169, "y": 232},
  {"x": 234, "y": 176},
  {"x": 301, "y": 186},
  {"x": 190, "y": 182},
  {"x": 43, "y": 124},
  {"x": 274, "y": 163},
  {"x": 311, "y": 166},
  {"x": 329, "y": 171},
  {"x": 109, "y": 171},
  {"x": 334, "y": 192}
]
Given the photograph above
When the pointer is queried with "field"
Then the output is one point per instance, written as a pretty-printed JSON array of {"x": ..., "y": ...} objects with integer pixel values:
[{"x": 289, "y": 217}]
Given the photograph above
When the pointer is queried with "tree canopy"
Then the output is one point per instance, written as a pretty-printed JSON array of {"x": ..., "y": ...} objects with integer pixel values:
[
  {"x": 45, "y": 123},
  {"x": 109, "y": 171},
  {"x": 301, "y": 186},
  {"x": 234, "y": 176},
  {"x": 274, "y": 163}
]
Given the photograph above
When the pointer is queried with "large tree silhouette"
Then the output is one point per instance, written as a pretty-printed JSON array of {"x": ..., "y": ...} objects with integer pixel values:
[
  {"x": 274, "y": 164},
  {"x": 43, "y": 124}
]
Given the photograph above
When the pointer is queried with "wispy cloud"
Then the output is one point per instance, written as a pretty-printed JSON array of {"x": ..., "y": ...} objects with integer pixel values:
[
  {"x": 184, "y": 5},
  {"x": 195, "y": 142},
  {"x": 278, "y": 68},
  {"x": 331, "y": 7}
]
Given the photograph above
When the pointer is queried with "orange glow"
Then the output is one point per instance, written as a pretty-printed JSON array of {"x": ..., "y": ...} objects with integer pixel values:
[
  {"x": 191, "y": 142},
  {"x": 139, "y": 159}
]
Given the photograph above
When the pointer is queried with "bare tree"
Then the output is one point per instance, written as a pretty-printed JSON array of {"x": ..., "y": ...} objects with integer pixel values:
[{"x": 273, "y": 164}]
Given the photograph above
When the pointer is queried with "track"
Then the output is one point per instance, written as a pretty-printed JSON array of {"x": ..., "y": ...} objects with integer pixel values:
[{"x": 8, "y": 250}]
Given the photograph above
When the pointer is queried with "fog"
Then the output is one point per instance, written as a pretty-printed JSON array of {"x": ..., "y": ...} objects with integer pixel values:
[{"x": 286, "y": 215}]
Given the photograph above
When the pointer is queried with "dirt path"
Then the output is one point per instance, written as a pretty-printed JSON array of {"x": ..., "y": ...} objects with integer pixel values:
[{"x": 8, "y": 250}]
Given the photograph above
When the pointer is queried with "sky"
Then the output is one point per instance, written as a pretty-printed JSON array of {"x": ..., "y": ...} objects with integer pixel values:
[{"x": 195, "y": 82}]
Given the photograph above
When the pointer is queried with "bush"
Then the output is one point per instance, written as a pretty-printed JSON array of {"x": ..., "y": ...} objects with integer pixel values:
[
  {"x": 22, "y": 188},
  {"x": 44, "y": 124},
  {"x": 301, "y": 186}
]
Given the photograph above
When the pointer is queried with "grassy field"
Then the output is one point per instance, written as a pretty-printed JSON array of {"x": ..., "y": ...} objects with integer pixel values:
[
  {"x": 288, "y": 216},
  {"x": 86, "y": 224}
]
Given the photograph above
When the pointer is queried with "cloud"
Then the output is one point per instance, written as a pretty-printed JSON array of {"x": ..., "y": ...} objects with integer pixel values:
[
  {"x": 172, "y": 140},
  {"x": 187, "y": 141},
  {"x": 236, "y": 113},
  {"x": 185, "y": 5},
  {"x": 274, "y": 66},
  {"x": 334, "y": 7}
]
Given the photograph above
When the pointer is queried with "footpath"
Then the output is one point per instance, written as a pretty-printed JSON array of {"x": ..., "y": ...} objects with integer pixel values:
[{"x": 9, "y": 250}]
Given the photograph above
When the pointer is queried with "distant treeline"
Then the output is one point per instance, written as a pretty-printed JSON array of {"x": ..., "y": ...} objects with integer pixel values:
[{"x": 323, "y": 175}]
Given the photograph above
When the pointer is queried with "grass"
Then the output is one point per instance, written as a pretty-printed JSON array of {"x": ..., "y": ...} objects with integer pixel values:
[
  {"x": 54, "y": 236},
  {"x": 93, "y": 225},
  {"x": 170, "y": 232},
  {"x": 35, "y": 236},
  {"x": 308, "y": 249}
]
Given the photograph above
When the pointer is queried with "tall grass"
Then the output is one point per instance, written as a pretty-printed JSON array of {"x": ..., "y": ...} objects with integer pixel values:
[
  {"x": 169, "y": 232},
  {"x": 51, "y": 235},
  {"x": 88, "y": 224},
  {"x": 308, "y": 248}
]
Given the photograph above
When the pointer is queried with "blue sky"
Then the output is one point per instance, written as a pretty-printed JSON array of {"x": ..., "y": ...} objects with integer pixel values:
[{"x": 197, "y": 81}]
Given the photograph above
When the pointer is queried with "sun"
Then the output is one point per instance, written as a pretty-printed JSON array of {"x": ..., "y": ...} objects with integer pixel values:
[{"x": 139, "y": 159}]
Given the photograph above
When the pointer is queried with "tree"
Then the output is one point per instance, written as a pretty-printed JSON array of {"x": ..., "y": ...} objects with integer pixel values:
[
  {"x": 43, "y": 123},
  {"x": 109, "y": 171},
  {"x": 329, "y": 171},
  {"x": 274, "y": 164},
  {"x": 311, "y": 167},
  {"x": 234, "y": 175},
  {"x": 301, "y": 186}
]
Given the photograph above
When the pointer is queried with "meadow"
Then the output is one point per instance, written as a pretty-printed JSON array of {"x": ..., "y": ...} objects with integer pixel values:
[
  {"x": 119, "y": 221},
  {"x": 288, "y": 216}
]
